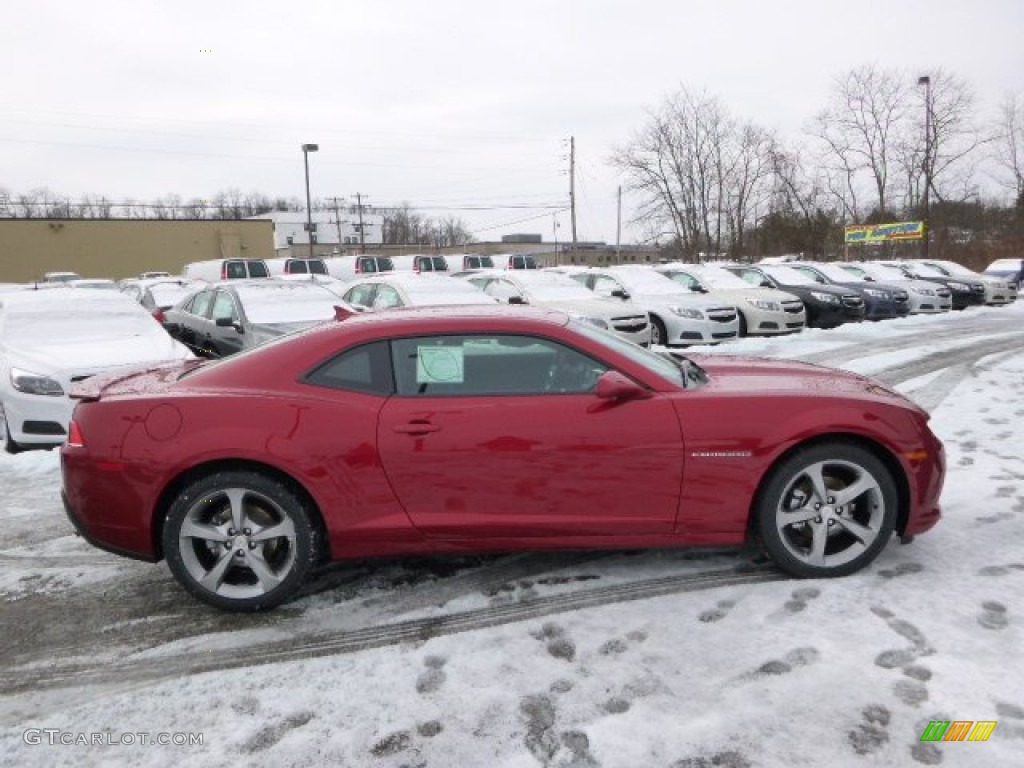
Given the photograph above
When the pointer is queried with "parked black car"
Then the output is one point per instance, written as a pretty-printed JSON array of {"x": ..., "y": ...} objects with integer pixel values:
[
  {"x": 827, "y": 306},
  {"x": 882, "y": 301},
  {"x": 228, "y": 317},
  {"x": 966, "y": 292}
]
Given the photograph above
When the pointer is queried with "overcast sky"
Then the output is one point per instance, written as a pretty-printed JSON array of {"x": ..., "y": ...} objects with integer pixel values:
[{"x": 445, "y": 104}]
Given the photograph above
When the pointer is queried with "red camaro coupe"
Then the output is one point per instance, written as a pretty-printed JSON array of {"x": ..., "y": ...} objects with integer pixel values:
[{"x": 486, "y": 428}]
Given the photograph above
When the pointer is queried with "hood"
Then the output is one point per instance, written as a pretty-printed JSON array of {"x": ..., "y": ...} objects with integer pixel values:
[
  {"x": 736, "y": 295},
  {"x": 597, "y": 307},
  {"x": 57, "y": 358},
  {"x": 744, "y": 375}
]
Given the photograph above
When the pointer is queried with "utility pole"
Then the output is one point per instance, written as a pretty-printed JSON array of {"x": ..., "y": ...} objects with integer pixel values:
[
  {"x": 337, "y": 222},
  {"x": 362, "y": 239},
  {"x": 618, "y": 229},
  {"x": 926, "y": 81},
  {"x": 572, "y": 185}
]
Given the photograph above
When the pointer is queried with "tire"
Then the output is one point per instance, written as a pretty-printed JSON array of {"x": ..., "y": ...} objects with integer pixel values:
[
  {"x": 6, "y": 442},
  {"x": 659, "y": 336},
  {"x": 810, "y": 536},
  {"x": 216, "y": 546}
]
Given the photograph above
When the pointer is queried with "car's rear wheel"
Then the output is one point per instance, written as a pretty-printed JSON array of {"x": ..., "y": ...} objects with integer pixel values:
[
  {"x": 659, "y": 336},
  {"x": 241, "y": 541},
  {"x": 827, "y": 510}
]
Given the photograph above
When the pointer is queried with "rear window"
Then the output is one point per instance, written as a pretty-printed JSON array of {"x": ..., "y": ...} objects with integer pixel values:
[
  {"x": 258, "y": 269},
  {"x": 479, "y": 262},
  {"x": 431, "y": 264},
  {"x": 304, "y": 267},
  {"x": 375, "y": 264}
]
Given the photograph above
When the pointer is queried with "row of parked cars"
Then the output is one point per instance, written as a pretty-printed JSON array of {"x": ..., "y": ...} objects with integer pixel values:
[{"x": 51, "y": 339}]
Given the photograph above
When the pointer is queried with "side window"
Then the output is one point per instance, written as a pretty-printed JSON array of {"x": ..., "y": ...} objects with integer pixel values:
[
  {"x": 518, "y": 262},
  {"x": 224, "y": 307},
  {"x": 604, "y": 285},
  {"x": 752, "y": 277},
  {"x": 295, "y": 267},
  {"x": 468, "y": 366},
  {"x": 235, "y": 270},
  {"x": 257, "y": 269},
  {"x": 132, "y": 290},
  {"x": 362, "y": 369},
  {"x": 361, "y": 295},
  {"x": 500, "y": 289},
  {"x": 386, "y": 298},
  {"x": 201, "y": 304},
  {"x": 685, "y": 280}
]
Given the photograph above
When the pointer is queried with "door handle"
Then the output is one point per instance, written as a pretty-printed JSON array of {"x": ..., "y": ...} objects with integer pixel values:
[{"x": 417, "y": 428}]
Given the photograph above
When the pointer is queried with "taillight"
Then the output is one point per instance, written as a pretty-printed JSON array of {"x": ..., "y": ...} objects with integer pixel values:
[
  {"x": 75, "y": 438},
  {"x": 224, "y": 271},
  {"x": 359, "y": 266},
  {"x": 159, "y": 316}
]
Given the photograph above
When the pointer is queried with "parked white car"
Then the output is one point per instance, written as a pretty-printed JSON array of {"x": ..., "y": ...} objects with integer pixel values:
[
  {"x": 678, "y": 316},
  {"x": 998, "y": 290},
  {"x": 54, "y": 338},
  {"x": 549, "y": 289},
  {"x": 351, "y": 266},
  {"x": 924, "y": 296},
  {"x": 762, "y": 311},
  {"x": 412, "y": 289}
]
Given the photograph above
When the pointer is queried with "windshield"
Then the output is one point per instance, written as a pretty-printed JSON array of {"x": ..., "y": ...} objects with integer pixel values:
[
  {"x": 883, "y": 272},
  {"x": 169, "y": 294},
  {"x": 678, "y": 371},
  {"x": 723, "y": 280},
  {"x": 952, "y": 268},
  {"x": 834, "y": 272},
  {"x": 553, "y": 287},
  {"x": 287, "y": 303},
  {"x": 790, "y": 276},
  {"x": 644, "y": 281}
]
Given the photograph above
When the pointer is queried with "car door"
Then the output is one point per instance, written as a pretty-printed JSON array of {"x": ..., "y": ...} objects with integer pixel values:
[
  {"x": 225, "y": 335},
  {"x": 492, "y": 437},
  {"x": 188, "y": 325}
]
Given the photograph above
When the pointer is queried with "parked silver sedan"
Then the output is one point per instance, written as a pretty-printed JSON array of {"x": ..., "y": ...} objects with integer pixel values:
[
  {"x": 923, "y": 296},
  {"x": 678, "y": 316},
  {"x": 412, "y": 289},
  {"x": 543, "y": 288}
]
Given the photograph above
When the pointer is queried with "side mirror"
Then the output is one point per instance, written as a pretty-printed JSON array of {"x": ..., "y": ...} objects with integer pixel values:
[
  {"x": 227, "y": 322},
  {"x": 766, "y": 283},
  {"x": 619, "y": 293},
  {"x": 612, "y": 385},
  {"x": 516, "y": 300}
]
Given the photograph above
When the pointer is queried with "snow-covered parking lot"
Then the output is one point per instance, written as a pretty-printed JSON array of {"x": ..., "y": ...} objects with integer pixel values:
[{"x": 653, "y": 658}]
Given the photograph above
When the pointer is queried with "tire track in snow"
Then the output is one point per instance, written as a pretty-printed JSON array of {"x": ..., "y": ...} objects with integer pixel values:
[{"x": 129, "y": 673}]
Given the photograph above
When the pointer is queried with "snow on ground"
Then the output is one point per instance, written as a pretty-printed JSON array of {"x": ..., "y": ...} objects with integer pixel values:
[{"x": 844, "y": 672}]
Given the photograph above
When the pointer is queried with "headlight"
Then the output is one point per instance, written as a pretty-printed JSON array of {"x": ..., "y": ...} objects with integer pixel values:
[
  {"x": 959, "y": 286},
  {"x": 766, "y": 304},
  {"x": 693, "y": 314},
  {"x": 595, "y": 321},
  {"x": 923, "y": 291},
  {"x": 874, "y": 292},
  {"x": 828, "y": 298},
  {"x": 34, "y": 383}
]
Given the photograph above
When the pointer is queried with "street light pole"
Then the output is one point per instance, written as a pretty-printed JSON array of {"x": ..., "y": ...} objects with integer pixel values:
[
  {"x": 306, "y": 149},
  {"x": 926, "y": 81}
]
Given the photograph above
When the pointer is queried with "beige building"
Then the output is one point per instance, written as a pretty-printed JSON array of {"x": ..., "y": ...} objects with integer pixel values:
[{"x": 119, "y": 248}]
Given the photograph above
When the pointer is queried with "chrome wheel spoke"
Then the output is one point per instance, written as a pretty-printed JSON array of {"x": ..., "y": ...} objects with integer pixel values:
[
  {"x": 862, "y": 533},
  {"x": 816, "y": 474},
  {"x": 236, "y": 498},
  {"x": 855, "y": 490},
  {"x": 215, "y": 576},
  {"x": 267, "y": 578},
  {"x": 191, "y": 529},
  {"x": 797, "y": 516},
  {"x": 819, "y": 534},
  {"x": 284, "y": 529}
]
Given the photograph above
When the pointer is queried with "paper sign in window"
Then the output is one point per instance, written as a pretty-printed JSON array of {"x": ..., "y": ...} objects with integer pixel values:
[{"x": 439, "y": 365}]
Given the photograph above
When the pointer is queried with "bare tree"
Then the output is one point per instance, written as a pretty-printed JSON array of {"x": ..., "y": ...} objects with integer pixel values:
[
  {"x": 860, "y": 130},
  {"x": 1009, "y": 145}
]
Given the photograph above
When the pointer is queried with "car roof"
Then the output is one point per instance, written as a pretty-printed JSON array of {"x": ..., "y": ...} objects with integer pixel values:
[{"x": 456, "y": 316}]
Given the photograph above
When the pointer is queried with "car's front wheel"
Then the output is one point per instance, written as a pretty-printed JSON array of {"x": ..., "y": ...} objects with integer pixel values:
[
  {"x": 239, "y": 540},
  {"x": 827, "y": 510},
  {"x": 659, "y": 336},
  {"x": 6, "y": 443}
]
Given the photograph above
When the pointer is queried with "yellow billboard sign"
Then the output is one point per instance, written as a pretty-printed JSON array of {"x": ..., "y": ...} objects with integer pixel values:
[{"x": 883, "y": 233}]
